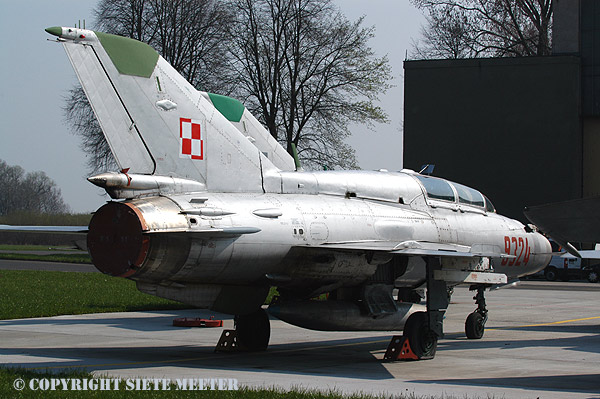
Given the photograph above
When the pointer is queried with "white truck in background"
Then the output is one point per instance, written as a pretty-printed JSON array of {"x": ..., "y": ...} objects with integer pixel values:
[{"x": 566, "y": 267}]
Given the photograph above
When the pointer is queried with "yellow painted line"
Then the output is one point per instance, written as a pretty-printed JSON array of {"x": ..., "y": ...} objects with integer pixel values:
[
  {"x": 191, "y": 359},
  {"x": 546, "y": 324}
]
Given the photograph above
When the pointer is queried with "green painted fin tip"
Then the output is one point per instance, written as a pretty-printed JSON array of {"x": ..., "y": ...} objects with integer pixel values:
[
  {"x": 130, "y": 57},
  {"x": 230, "y": 108},
  {"x": 296, "y": 158}
]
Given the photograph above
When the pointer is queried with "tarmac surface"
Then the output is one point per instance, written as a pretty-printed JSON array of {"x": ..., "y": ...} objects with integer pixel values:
[{"x": 539, "y": 343}]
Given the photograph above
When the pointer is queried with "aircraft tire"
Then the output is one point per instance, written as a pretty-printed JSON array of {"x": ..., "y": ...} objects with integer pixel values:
[
  {"x": 550, "y": 273},
  {"x": 475, "y": 326},
  {"x": 253, "y": 331},
  {"x": 593, "y": 276},
  {"x": 422, "y": 340}
]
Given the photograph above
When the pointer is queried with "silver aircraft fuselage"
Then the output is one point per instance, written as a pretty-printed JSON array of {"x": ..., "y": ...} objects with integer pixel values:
[
  {"x": 212, "y": 212},
  {"x": 321, "y": 231}
]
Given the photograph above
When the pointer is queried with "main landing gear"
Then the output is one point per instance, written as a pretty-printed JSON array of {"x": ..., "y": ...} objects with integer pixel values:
[
  {"x": 475, "y": 324},
  {"x": 423, "y": 329},
  {"x": 252, "y": 333}
]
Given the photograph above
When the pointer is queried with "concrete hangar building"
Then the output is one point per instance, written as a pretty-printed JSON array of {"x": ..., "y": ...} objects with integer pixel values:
[{"x": 524, "y": 131}]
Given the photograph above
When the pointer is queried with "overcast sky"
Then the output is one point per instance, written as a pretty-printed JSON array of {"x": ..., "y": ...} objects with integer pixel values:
[{"x": 36, "y": 75}]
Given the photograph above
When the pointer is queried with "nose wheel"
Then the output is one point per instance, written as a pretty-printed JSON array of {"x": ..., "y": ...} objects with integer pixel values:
[{"x": 475, "y": 324}]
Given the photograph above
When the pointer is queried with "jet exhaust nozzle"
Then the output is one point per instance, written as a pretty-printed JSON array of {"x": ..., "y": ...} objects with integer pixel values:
[{"x": 115, "y": 240}]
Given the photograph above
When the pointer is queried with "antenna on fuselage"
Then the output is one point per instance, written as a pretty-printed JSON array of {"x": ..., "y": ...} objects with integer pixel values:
[{"x": 427, "y": 169}]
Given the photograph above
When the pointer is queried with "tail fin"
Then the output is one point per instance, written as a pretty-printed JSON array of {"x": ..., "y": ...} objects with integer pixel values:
[
  {"x": 249, "y": 126},
  {"x": 155, "y": 121}
]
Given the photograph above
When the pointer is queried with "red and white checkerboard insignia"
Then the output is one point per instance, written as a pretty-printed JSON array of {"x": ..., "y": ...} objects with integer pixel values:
[{"x": 190, "y": 137}]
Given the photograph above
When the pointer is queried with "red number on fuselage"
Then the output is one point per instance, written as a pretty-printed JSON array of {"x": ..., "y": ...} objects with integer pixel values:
[
  {"x": 522, "y": 246},
  {"x": 512, "y": 261},
  {"x": 517, "y": 247},
  {"x": 506, "y": 250},
  {"x": 527, "y": 251}
]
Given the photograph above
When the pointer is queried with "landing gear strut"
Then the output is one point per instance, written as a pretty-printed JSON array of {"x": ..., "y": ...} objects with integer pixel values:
[
  {"x": 253, "y": 331},
  {"x": 423, "y": 329},
  {"x": 475, "y": 324}
]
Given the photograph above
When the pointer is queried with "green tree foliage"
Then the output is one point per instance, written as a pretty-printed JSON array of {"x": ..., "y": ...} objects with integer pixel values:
[{"x": 32, "y": 192}]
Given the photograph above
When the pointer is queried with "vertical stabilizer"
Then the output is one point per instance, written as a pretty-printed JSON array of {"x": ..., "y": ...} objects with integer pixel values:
[
  {"x": 249, "y": 126},
  {"x": 155, "y": 121}
]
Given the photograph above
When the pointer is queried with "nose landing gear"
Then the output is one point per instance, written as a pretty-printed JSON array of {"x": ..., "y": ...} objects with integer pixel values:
[{"x": 475, "y": 323}]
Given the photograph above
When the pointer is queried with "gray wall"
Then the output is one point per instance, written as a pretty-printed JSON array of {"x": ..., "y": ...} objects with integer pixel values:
[
  {"x": 509, "y": 127},
  {"x": 590, "y": 56},
  {"x": 565, "y": 27}
]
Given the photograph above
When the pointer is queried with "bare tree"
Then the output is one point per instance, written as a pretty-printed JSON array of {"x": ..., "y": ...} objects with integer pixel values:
[
  {"x": 299, "y": 65},
  {"x": 34, "y": 192},
  {"x": 83, "y": 123},
  {"x": 306, "y": 72},
  {"x": 189, "y": 34},
  {"x": 129, "y": 18},
  {"x": 483, "y": 28}
]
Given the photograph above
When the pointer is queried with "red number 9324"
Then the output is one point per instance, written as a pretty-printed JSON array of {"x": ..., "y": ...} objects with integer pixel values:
[{"x": 517, "y": 247}]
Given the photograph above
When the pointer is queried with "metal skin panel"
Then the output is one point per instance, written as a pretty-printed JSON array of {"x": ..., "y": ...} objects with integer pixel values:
[
  {"x": 125, "y": 144},
  {"x": 262, "y": 139},
  {"x": 236, "y": 165},
  {"x": 247, "y": 258},
  {"x": 317, "y": 243},
  {"x": 574, "y": 221}
]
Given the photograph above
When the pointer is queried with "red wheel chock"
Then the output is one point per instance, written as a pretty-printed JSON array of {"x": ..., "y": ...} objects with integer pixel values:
[
  {"x": 399, "y": 349},
  {"x": 197, "y": 322}
]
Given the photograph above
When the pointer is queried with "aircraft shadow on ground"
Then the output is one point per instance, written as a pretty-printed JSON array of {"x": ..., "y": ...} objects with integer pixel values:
[
  {"x": 349, "y": 358},
  {"x": 346, "y": 357}
]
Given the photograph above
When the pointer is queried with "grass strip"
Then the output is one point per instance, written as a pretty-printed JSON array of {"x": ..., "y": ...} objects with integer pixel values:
[
  {"x": 32, "y": 293},
  {"x": 65, "y": 258},
  {"x": 8, "y": 377},
  {"x": 22, "y": 218}
]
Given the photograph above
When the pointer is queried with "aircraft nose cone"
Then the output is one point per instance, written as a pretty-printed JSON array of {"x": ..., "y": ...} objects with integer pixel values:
[{"x": 54, "y": 30}]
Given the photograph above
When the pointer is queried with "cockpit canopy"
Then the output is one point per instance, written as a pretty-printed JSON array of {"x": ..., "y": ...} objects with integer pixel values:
[{"x": 440, "y": 189}]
